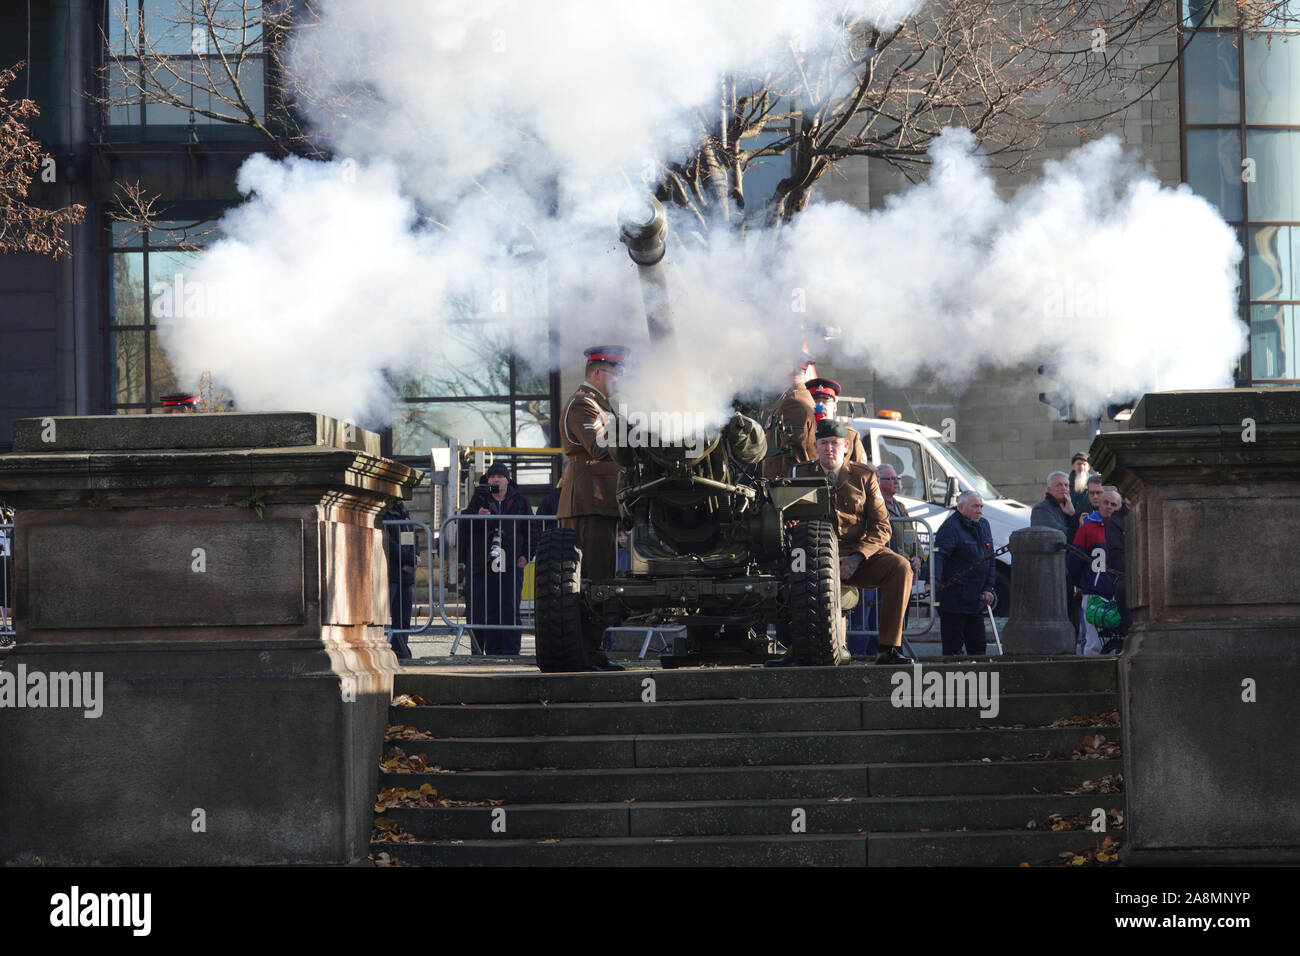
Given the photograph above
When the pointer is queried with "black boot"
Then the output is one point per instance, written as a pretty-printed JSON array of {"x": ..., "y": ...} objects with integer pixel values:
[{"x": 892, "y": 655}]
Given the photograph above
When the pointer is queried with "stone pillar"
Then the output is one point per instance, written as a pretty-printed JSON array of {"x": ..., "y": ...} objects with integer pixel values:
[
  {"x": 1038, "y": 622},
  {"x": 1211, "y": 669},
  {"x": 200, "y": 674}
]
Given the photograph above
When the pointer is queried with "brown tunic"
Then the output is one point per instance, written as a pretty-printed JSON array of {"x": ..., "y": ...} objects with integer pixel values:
[
  {"x": 795, "y": 422},
  {"x": 590, "y": 486},
  {"x": 857, "y": 451},
  {"x": 861, "y": 520}
]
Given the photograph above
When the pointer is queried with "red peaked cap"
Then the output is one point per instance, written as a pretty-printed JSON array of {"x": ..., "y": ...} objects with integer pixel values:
[
  {"x": 614, "y": 354},
  {"x": 824, "y": 386}
]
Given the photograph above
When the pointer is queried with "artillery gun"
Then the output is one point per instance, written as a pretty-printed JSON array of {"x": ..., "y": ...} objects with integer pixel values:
[{"x": 713, "y": 547}]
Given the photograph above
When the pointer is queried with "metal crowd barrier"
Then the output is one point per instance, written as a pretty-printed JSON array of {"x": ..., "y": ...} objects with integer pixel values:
[
  {"x": 6, "y": 583},
  {"x": 492, "y": 597},
  {"x": 408, "y": 531},
  {"x": 921, "y": 613}
]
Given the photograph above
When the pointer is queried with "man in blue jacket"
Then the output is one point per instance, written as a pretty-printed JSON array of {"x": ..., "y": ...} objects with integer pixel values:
[{"x": 964, "y": 578}]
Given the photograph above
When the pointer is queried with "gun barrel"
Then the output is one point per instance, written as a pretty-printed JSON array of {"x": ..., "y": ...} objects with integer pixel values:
[{"x": 644, "y": 228}]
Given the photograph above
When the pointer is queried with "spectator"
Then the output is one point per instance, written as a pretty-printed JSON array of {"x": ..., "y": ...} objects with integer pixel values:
[
  {"x": 495, "y": 554},
  {"x": 1081, "y": 470},
  {"x": 965, "y": 575},
  {"x": 888, "y": 479},
  {"x": 1086, "y": 562},
  {"x": 1056, "y": 510},
  {"x": 1114, "y": 528},
  {"x": 402, "y": 559},
  {"x": 1094, "y": 497}
]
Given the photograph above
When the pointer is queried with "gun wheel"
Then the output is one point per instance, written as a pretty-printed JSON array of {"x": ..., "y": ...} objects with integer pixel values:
[
  {"x": 815, "y": 595},
  {"x": 558, "y": 603}
]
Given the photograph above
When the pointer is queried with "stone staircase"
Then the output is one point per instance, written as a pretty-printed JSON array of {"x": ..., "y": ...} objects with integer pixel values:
[{"x": 747, "y": 766}]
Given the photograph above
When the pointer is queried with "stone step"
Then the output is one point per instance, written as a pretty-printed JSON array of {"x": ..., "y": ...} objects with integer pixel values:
[
  {"x": 734, "y": 716},
  {"x": 744, "y": 683},
  {"x": 745, "y": 817},
  {"x": 1005, "y": 848},
  {"x": 729, "y": 750},
  {"x": 759, "y": 783}
]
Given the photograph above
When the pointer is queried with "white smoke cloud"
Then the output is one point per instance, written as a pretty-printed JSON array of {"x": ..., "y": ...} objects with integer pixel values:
[{"x": 476, "y": 135}]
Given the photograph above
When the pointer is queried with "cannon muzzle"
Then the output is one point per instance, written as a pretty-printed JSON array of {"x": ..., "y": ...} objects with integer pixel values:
[{"x": 644, "y": 228}]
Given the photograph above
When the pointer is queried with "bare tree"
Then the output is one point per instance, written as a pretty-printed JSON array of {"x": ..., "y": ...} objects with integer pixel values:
[
  {"x": 1008, "y": 70},
  {"x": 23, "y": 226}
]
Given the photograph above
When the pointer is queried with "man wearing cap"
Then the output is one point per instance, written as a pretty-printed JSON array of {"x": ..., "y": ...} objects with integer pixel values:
[
  {"x": 862, "y": 524},
  {"x": 826, "y": 394},
  {"x": 588, "y": 495},
  {"x": 1080, "y": 469},
  {"x": 792, "y": 425}
]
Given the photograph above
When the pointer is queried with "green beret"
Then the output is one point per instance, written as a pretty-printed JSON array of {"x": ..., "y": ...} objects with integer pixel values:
[{"x": 829, "y": 428}]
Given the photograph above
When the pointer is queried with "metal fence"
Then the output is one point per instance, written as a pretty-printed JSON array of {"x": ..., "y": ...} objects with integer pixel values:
[
  {"x": 486, "y": 584},
  {"x": 398, "y": 536}
]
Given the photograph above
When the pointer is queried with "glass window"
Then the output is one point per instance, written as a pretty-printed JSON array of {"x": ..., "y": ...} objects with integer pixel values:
[
  {"x": 1272, "y": 332},
  {"x": 905, "y": 457},
  {"x": 1274, "y": 262},
  {"x": 1210, "y": 13},
  {"x": 1210, "y": 79},
  {"x": 180, "y": 60},
  {"x": 937, "y": 479},
  {"x": 1272, "y": 79},
  {"x": 126, "y": 301},
  {"x": 127, "y": 372},
  {"x": 1273, "y": 194},
  {"x": 147, "y": 289},
  {"x": 1214, "y": 168},
  {"x": 419, "y": 426}
]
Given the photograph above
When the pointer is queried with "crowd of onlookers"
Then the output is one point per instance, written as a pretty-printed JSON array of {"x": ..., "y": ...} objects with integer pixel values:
[{"x": 1091, "y": 516}]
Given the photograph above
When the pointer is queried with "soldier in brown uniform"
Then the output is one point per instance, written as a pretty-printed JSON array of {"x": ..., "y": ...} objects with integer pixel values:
[
  {"x": 792, "y": 423},
  {"x": 588, "y": 496},
  {"x": 826, "y": 392},
  {"x": 862, "y": 524}
]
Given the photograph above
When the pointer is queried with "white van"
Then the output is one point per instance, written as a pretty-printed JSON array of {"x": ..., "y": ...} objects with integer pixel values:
[{"x": 932, "y": 472}]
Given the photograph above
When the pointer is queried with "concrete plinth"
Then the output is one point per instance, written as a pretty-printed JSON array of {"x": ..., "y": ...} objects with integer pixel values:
[
  {"x": 218, "y": 585},
  {"x": 1209, "y": 675},
  {"x": 1038, "y": 624}
]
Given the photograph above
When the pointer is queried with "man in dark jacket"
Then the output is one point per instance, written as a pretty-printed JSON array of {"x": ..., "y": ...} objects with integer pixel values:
[
  {"x": 494, "y": 554},
  {"x": 1056, "y": 510},
  {"x": 401, "y": 576},
  {"x": 965, "y": 575}
]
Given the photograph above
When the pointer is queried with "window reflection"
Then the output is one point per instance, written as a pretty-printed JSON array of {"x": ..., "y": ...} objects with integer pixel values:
[
  {"x": 1210, "y": 78},
  {"x": 1214, "y": 168},
  {"x": 1273, "y": 262}
]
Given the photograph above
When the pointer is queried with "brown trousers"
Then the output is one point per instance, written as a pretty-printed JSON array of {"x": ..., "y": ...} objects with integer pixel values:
[
  {"x": 892, "y": 574},
  {"x": 597, "y": 535}
]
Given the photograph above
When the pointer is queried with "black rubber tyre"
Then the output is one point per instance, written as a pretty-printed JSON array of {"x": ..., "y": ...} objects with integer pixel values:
[
  {"x": 815, "y": 595},
  {"x": 558, "y": 603},
  {"x": 1003, "y": 585}
]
